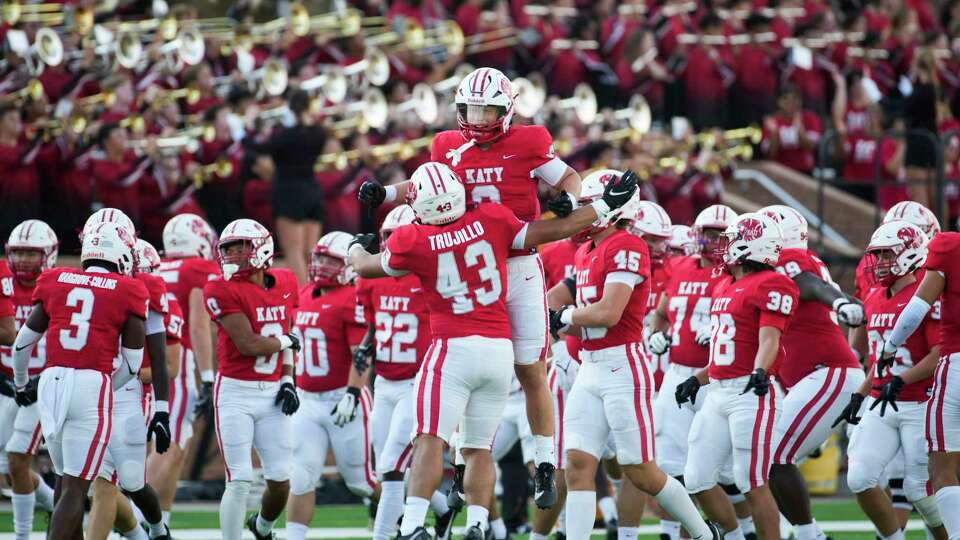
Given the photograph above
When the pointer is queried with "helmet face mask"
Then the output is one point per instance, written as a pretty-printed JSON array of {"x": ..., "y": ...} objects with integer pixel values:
[
  {"x": 325, "y": 270},
  {"x": 236, "y": 255},
  {"x": 712, "y": 244},
  {"x": 657, "y": 245},
  {"x": 245, "y": 247},
  {"x": 896, "y": 249},
  {"x": 26, "y": 263},
  {"x": 484, "y": 103},
  {"x": 328, "y": 262},
  {"x": 709, "y": 226},
  {"x": 882, "y": 265},
  {"x": 31, "y": 248}
]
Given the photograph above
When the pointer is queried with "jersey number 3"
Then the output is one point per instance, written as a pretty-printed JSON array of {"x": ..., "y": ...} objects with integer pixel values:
[{"x": 76, "y": 339}]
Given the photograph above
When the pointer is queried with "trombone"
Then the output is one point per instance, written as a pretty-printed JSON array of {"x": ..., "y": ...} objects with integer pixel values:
[
  {"x": 184, "y": 140},
  {"x": 370, "y": 112},
  {"x": 748, "y": 135},
  {"x": 400, "y": 150},
  {"x": 48, "y": 14},
  {"x": 338, "y": 24},
  {"x": 584, "y": 103}
]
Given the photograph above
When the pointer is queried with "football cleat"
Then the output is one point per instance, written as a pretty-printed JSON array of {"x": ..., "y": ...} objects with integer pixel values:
[
  {"x": 456, "y": 498},
  {"x": 474, "y": 532},
  {"x": 545, "y": 486},
  {"x": 252, "y": 527},
  {"x": 443, "y": 527},
  {"x": 418, "y": 534}
]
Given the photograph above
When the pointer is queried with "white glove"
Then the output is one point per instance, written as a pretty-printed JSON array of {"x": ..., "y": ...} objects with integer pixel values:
[
  {"x": 659, "y": 343},
  {"x": 566, "y": 369},
  {"x": 345, "y": 411},
  {"x": 849, "y": 313},
  {"x": 703, "y": 335}
]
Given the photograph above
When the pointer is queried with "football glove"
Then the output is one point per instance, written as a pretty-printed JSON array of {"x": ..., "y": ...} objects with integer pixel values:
[
  {"x": 849, "y": 413},
  {"x": 160, "y": 429},
  {"x": 27, "y": 395},
  {"x": 659, "y": 343},
  {"x": 849, "y": 313},
  {"x": 758, "y": 382},
  {"x": 363, "y": 240},
  {"x": 687, "y": 391},
  {"x": 289, "y": 341},
  {"x": 361, "y": 357},
  {"x": 7, "y": 386},
  {"x": 557, "y": 326},
  {"x": 204, "y": 406},
  {"x": 620, "y": 190},
  {"x": 888, "y": 394},
  {"x": 344, "y": 412},
  {"x": 287, "y": 398},
  {"x": 888, "y": 354},
  {"x": 703, "y": 335},
  {"x": 561, "y": 204},
  {"x": 372, "y": 194}
]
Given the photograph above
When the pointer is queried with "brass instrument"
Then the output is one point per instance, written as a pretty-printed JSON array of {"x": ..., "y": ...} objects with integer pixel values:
[
  {"x": 272, "y": 77},
  {"x": 583, "y": 102},
  {"x": 450, "y": 83},
  {"x": 577, "y": 44},
  {"x": 332, "y": 86},
  {"x": 184, "y": 140},
  {"x": 637, "y": 114},
  {"x": 33, "y": 91},
  {"x": 749, "y": 134},
  {"x": 529, "y": 95},
  {"x": 543, "y": 11},
  {"x": 381, "y": 153},
  {"x": 75, "y": 124},
  {"x": 190, "y": 94},
  {"x": 423, "y": 102},
  {"x": 332, "y": 24},
  {"x": 135, "y": 124},
  {"x": 49, "y": 14},
  {"x": 46, "y": 50},
  {"x": 221, "y": 168},
  {"x": 106, "y": 98},
  {"x": 167, "y": 27},
  {"x": 491, "y": 40},
  {"x": 447, "y": 35},
  {"x": 375, "y": 67},
  {"x": 370, "y": 112}
]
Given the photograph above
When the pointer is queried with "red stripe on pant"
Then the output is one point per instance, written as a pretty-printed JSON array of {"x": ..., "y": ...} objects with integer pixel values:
[
  {"x": 758, "y": 462},
  {"x": 367, "y": 462},
  {"x": 934, "y": 412},
  {"x": 635, "y": 360},
  {"x": 35, "y": 440},
  {"x": 94, "y": 443},
  {"x": 778, "y": 456},
  {"x": 421, "y": 391},
  {"x": 818, "y": 416},
  {"x": 402, "y": 464},
  {"x": 546, "y": 311},
  {"x": 771, "y": 420},
  {"x": 435, "y": 388},
  {"x": 216, "y": 410},
  {"x": 109, "y": 422}
]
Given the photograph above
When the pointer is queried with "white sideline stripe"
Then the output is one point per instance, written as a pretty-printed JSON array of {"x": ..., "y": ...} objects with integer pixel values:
[{"x": 362, "y": 532}]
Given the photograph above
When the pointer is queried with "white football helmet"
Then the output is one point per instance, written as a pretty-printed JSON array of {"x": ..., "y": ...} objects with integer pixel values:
[
  {"x": 257, "y": 251},
  {"x": 652, "y": 223},
  {"x": 32, "y": 235},
  {"x": 682, "y": 241},
  {"x": 896, "y": 249},
  {"x": 792, "y": 224},
  {"x": 328, "y": 264},
  {"x": 915, "y": 213},
  {"x": 109, "y": 242},
  {"x": 109, "y": 215},
  {"x": 591, "y": 189},
  {"x": 436, "y": 194},
  {"x": 484, "y": 87},
  {"x": 752, "y": 237},
  {"x": 714, "y": 218},
  {"x": 148, "y": 260},
  {"x": 188, "y": 235},
  {"x": 396, "y": 218}
]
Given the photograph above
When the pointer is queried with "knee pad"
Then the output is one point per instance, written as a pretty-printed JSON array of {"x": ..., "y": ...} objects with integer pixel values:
[
  {"x": 915, "y": 489},
  {"x": 860, "y": 478},
  {"x": 696, "y": 480},
  {"x": 277, "y": 471},
  {"x": 303, "y": 479},
  {"x": 928, "y": 510},
  {"x": 130, "y": 476}
]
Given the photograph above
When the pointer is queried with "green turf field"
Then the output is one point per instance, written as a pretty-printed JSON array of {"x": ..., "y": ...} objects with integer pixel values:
[{"x": 356, "y": 516}]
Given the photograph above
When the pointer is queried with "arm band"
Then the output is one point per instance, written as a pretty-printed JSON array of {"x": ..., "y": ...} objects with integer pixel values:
[
  {"x": 391, "y": 194},
  {"x": 22, "y": 349},
  {"x": 909, "y": 320},
  {"x": 154, "y": 323}
]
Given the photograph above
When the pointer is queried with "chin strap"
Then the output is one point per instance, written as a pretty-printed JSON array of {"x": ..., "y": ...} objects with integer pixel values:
[{"x": 455, "y": 154}]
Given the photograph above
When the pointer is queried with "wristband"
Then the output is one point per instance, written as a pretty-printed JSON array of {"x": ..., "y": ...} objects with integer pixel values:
[
  {"x": 390, "y": 193},
  {"x": 288, "y": 357},
  {"x": 354, "y": 391},
  {"x": 285, "y": 342},
  {"x": 600, "y": 207},
  {"x": 286, "y": 379},
  {"x": 161, "y": 406},
  {"x": 566, "y": 317},
  {"x": 206, "y": 375}
]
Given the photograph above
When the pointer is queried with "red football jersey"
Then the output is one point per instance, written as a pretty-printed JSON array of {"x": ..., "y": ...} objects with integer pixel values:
[
  {"x": 621, "y": 252},
  {"x": 270, "y": 312},
  {"x": 882, "y": 312},
  {"x": 557, "y": 258},
  {"x": 329, "y": 325},
  {"x": 157, "y": 291},
  {"x": 738, "y": 311},
  {"x": 183, "y": 276},
  {"x": 943, "y": 255},
  {"x": 814, "y": 339},
  {"x": 463, "y": 269},
  {"x": 502, "y": 172},
  {"x": 863, "y": 280},
  {"x": 658, "y": 283},
  {"x": 173, "y": 320},
  {"x": 688, "y": 308},
  {"x": 6, "y": 290},
  {"x": 22, "y": 306},
  {"x": 402, "y": 322},
  {"x": 87, "y": 311}
]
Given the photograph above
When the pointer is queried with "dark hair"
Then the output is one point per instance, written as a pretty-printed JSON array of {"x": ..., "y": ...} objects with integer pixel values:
[
  {"x": 789, "y": 89},
  {"x": 754, "y": 21},
  {"x": 299, "y": 102},
  {"x": 98, "y": 262},
  {"x": 710, "y": 20},
  {"x": 210, "y": 114},
  {"x": 105, "y": 131}
]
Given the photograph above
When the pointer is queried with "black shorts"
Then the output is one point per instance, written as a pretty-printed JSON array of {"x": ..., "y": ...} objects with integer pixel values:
[
  {"x": 921, "y": 151},
  {"x": 298, "y": 201}
]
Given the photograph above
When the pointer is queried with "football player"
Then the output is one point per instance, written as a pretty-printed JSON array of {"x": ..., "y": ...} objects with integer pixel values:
[
  {"x": 188, "y": 247},
  {"x": 613, "y": 391},
  {"x": 89, "y": 313},
  {"x": 681, "y": 325},
  {"x": 501, "y": 163},
  {"x": 254, "y": 393},
  {"x": 398, "y": 336},
  {"x": 682, "y": 241},
  {"x": 943, "y": 408},
  {"x": 900, "y": 385},
  {"x": 335, "y": 403},
  {"x": 749, "y": 311},
  {"x": 460, "y": 257},
  {"x": 818, "y": 369},
  {"x": 31, "y": 250}
]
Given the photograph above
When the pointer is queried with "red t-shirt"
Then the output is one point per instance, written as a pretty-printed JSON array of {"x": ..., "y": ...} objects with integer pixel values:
[
  {"x": 790, "y": 153},
  {"x": 856, "y": 119},
  {"x": 688, "y": 308},
  {"x": 20, "y": 183},
  {"x": 183, "y": 276},
  {"x": 756, "y": 71},
  {"x": 87, "y": 311},
  {"x": 704, "y": 79},
  {"x": 116, "y": 183},
  {"x": 270, "y": 312},
  {"x": 402, "y": 322},
  {"x": 943, "y": 255},
  {"x": 463, "y": 269},
  {"x": 739, "y": 309},
  {"x": 329, "y": 325},
  {"x": 814, "y": 339}
]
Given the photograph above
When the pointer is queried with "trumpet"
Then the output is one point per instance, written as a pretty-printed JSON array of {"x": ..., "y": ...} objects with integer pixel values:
[
  {"x": 370, "y": 112},
  {"x": 135, "y": 123},
  {"x": 584, "y": 103},
  {"x": 751, "y": 134},
  {"x": 423, "y": 102},
  {"x": 184, "y": 140},
  {"x": 75, "y": 124},
  {"x": 107, "y": 98},
  {"x": 190, "y": 94},
  {"x": 221, "y": 168},
  {"x": 33, "y": 91}
]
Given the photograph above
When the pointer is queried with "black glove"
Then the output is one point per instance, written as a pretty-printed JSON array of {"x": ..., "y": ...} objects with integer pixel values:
[
  {"x": 363, "y": 240},
  {"x": 294, "y": 342},
  {"x": 849, "y": 414},
  {"x": 372, "y": 194},
  {"x": 556, "y": 325},
  {"x": 620, "y": 190},
  {"x": 561, "y": 204},
  {"x": 27, "y": 396},
  {"x": 7, "y": 386},
  {"x": 687, "y": 391},
  {"x": 758, "y": 383},
  {"x": 888, "y": 394},
  {"x": 160, "y": 428},
  {"x": 204, "y": 406},
  {"x": 287, "y": 398},
  {"x": 887, "y": 355},
  {"x": 361, "y": 357}
]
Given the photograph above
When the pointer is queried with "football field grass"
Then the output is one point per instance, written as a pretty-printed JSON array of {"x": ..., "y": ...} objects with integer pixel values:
[{"x": 350, "y": 521}]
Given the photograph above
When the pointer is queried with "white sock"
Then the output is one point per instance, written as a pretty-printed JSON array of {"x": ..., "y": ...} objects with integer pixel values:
[
  {"x": 820, "y": 534},
  {"x": 414, "y": 514},
  {"x": 746, "y": 525},
  {"x": 157, "y": 529},
  {"x": 786, "y": 528},
  {"x": 806, "y": 532},
  {"x": 948, "y": 499},
  {"x": 736, "y": 534},
  {"x": 538, "y": 536},
  {"x": 233, "y": 505},
  {"x": 23, "y": 514},
  {"x": 562, "y": 520},
  {"x": 438, "y": 503},
  {"x": 477, "y": 515},
  {"x": 136, "y": 533},
  {"x": 264, "y": 526},
  {"x": 674, "y": 499},
  {"x": 928, "y": 510},
  {"x": 670, "y": 528},
  {"x": 44, "y": 494},
  {"x": 296, "y": 531},
  {"x": 627, "y": 533},
  {"x": 389, "y": 509},
  {"x": 581, "y": 508},
  {"x": 615, "y": 483},
  {"x": 608, "y": 509},
  {"x": 499, "y": 528},
  {"x": 543, "y": 450},
  {"x": 166, "y": 517},
  {"x": 895, "y": 536}
]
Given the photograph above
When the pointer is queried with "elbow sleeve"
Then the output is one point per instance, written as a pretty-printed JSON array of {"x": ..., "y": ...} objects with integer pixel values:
[
  {"x": 132, "y": 360},
  {"x": 23, "y": 346},
  {"x": 154, "y": 324}
]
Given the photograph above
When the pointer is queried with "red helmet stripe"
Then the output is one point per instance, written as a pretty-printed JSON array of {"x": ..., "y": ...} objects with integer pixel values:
[{"x": 432, "y": 173}]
